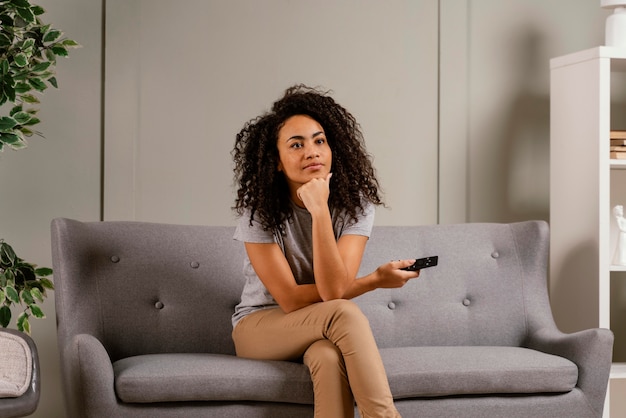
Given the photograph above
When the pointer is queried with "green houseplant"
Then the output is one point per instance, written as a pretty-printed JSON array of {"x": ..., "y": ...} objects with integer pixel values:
[
  {"x": 21, "y": 283},
  {"x": 28, "y": 52}
]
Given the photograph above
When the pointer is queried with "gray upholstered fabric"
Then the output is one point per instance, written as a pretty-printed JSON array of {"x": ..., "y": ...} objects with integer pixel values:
[
  {"x": 144, "y": 329},
  {"x": 210, "y": 377},
  {"x": 462, "y": 370},
  {"x": 414, "y": 372},
  {"x": 16, "y": 365},
  {"x": 477, "y": 295},
  {"x": 19, "y": 374}
]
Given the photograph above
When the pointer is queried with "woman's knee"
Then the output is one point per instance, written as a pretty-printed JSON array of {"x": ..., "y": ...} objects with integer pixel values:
[
  {"x": 348, "y": 308},
  {"x": 323, "y": 352},
  {"x": 346, "y": 312}
]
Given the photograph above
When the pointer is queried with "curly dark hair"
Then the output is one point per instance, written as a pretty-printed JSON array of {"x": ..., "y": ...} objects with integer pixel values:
[{"x": 263, "y": 189}]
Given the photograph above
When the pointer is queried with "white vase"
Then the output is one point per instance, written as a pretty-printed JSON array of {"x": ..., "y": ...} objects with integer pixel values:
[{"x": 616, "y": 28}]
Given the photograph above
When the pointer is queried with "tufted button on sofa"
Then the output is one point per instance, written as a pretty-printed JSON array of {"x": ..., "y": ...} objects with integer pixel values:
[{"x": 144, "y": 330}]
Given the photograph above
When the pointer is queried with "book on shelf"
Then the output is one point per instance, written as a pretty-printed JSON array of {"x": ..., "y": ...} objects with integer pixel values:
[
  {"x": 618, "y": 142},
  {"x": 618, "y": 149},
  {"x": 618, "y": 155},
  {"x": 618, "y": 134}
]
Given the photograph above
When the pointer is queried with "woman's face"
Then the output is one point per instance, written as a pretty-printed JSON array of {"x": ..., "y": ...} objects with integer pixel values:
[{"x": 303, "y": 151}]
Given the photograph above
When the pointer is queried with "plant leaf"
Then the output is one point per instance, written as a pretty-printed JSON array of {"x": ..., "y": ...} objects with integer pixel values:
[
  {"x": 7, "y": 255},
  {"x": 37, "y": 10},
  {"x": 37, "y": 294},
  {"x": 40, "y": 67},
  {"x": 2, "y": 297},
  {"x": 43, "y": 271},
  {"x": 38, "y": 84},
  {"x": 9, "y": 138},
  {"x": 25, "y": 273},
  {"x": 16, "y": 109},
  {"x": 27, "y": 132},
  {"x": 13, "y": 140},
  {"x": 4, "y": 65},
  {"x": 5, "y": 41},
  {"x": 10, "y": 278},
  {"x": 31, "y": 122},
  {"x": 29, "y": 98},
  {"x": 23, "y": 4},
  {"x": 11, "y": 294},
  {"x": 26, "y": 14},
  {"x": 22, "y": 323},
  {"x": 7, "y": 123},
  {"x": 26, "y": 297},
  {"x": 5, "y": 316},
  {"x": 53, "y": 81},
  {"x": 19, "y": 76},
  {"x": 47, "y": 283},
  {"x": 70, "y": 43},
  {"x": 21, "y": 88},
  {"x": 9, "y": 91},
  {"x": 20, "y": 59},
  {"x": 36, "y": 310},
  {"x": 52, "y": 36},
  {"x": 50, "y": 56},
  {"x": 28, "y": 44},
  {"x": 22, "y": 117},
  {"x": 59, "y": 50}
]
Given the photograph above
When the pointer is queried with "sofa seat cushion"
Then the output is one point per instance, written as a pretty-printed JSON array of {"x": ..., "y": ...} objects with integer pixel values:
[
  {"x": 413, "y": 372},
  {"x": 210, "y": 377},
  {"x": 441, "y": 371}
]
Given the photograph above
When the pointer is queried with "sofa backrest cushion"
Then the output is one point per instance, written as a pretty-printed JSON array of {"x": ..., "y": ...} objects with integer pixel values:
[
  {"x": 147, "y": 288},
  {"x": 488, "y": 277},
  {"x": 144, "y": 288}
]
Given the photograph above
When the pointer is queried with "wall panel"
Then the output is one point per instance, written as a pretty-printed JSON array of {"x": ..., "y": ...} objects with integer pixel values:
[{"x": 183, "y": 77}]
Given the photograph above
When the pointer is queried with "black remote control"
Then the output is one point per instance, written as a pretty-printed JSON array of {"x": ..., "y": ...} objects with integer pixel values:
[{"x": 422, "y": 263}]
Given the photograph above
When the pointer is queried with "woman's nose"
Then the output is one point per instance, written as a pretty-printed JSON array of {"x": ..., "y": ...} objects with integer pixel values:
[{"x": 310, "y": 151}]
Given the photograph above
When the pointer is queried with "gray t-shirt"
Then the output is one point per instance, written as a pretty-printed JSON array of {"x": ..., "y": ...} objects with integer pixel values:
[{"x": 296, "y": 244}]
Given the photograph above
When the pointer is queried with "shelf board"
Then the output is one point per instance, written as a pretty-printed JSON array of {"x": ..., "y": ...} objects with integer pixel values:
[
  {"x": 618, "y": 371},
  {"x": 618, "y": 164},
  {"x": 617, "y": 268},
  {"x": 617, "y": 56}
]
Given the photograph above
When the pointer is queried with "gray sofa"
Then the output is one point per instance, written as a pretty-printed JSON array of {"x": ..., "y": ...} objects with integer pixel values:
[{"x": 143, "y": 313}]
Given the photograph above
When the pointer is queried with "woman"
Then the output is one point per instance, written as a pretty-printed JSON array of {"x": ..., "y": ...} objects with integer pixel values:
[{"x": 306, "y": 196}]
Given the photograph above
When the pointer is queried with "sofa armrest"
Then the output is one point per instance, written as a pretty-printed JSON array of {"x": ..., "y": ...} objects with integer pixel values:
[
  {"x": 89, "y": 378},
  {"x": 591, "y": 350},
  {"x": 19, "y": 374}
]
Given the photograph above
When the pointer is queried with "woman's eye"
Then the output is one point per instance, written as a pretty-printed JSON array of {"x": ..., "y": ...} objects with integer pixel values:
[{"x": 296, "y": 145}]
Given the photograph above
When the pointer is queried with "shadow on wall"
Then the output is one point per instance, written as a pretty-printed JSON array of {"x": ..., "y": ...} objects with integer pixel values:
[
  {"x": 526, "y": 136},
  {"x": 574, "y": 285}
]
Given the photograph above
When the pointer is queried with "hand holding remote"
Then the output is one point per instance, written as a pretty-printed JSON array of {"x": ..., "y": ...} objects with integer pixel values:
[{"x": 422, "y": 263}]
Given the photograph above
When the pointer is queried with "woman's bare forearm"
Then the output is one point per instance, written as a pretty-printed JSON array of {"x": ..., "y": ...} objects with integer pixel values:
[{"x": 331, "y": 275}]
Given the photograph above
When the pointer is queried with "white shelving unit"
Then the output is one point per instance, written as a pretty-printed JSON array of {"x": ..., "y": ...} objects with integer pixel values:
[{"x": 584, "y": 186}]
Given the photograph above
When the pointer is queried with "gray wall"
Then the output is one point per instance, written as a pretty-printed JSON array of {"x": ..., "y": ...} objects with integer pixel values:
[
  {"x": 215, "y": 65},
  {"x": 452, "y": 96}
]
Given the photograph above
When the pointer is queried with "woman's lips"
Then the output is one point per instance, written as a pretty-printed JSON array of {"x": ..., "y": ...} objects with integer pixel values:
[{"x": 315, "y": 166}]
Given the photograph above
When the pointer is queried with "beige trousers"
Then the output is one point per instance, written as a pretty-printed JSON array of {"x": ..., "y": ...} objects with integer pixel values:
[{"x": 335, "y": 341}]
